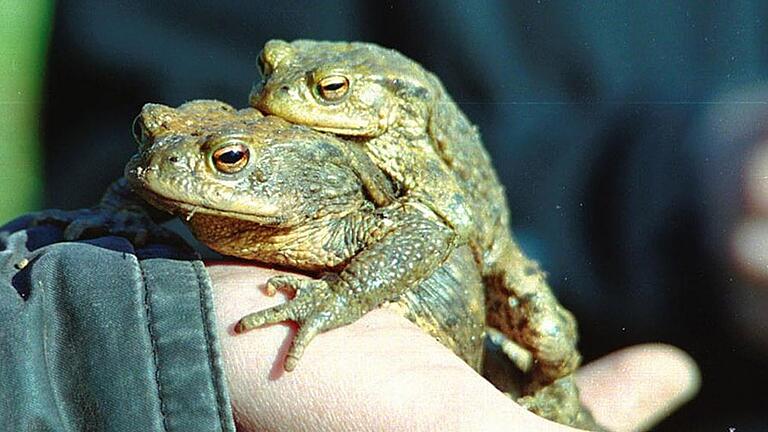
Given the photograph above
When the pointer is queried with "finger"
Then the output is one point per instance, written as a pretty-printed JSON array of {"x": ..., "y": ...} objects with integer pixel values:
[
  {"x": 750, "y": 248},
  {"x": 378, "y": 373},
  {"x": 661, "y": 378}
]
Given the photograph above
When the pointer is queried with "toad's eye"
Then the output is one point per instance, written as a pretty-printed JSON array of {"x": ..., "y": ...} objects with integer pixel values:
[
  {"x": 333, "y": 88},
  {"x": 231, "y": 159}
]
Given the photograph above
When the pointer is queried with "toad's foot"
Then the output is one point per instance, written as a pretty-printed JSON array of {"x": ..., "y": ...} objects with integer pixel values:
[
  {"x": 538, "y": 324},
  {"x": 521, "y": 305},
  {"x": 549, "y": 331},
  {"x": 318, "y": 306},
  {"x": 519, "y": 356},
  {"x": 559, "y": 401}
]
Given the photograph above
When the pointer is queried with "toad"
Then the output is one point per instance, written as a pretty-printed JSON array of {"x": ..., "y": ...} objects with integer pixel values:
[
  {"x": 401, "y": 116},
  {"x": 264, "y": 189}
]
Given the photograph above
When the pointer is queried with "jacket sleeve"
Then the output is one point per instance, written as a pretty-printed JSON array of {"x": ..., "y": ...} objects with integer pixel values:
[{"x": 99, "y": 336}]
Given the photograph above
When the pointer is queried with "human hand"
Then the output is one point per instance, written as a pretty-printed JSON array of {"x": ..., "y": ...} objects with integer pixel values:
[
  {"x": 749, "y": 247},
  {"x": 383, "y": 373},
  {"x": 750, "y": 239}
]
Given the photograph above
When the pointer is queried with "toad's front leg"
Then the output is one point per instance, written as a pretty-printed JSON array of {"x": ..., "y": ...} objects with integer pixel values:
[
  {"x": 318, "y": 305},
  {"x": 403, "y": 249},
  {"x": 121, "y": 212}
]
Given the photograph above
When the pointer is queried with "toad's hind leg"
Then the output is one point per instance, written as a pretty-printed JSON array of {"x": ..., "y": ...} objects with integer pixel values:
[
  {"x": 522, "y": 307},
  {"x": 557, "y": 401},
  {"x": 528, "y": 317}
]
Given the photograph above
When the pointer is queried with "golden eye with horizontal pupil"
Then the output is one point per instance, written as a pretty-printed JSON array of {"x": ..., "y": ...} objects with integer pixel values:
[
  {"x": 333, "y": 88},
  {"x": 231, "y": 159}
]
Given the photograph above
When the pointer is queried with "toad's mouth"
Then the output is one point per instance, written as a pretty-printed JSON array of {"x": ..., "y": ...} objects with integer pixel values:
[
  {"x": 353, "y": 128},
  {"x": 187, "y": 210},
  {"x": 346, "y": 131}
]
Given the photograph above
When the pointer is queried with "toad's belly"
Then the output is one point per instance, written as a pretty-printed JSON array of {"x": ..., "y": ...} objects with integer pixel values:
[{"x": 450, "y": 306}]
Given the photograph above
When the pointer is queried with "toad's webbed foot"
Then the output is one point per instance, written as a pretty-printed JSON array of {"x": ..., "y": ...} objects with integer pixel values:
[
  {"x": 557, "y": 401},
  {"x": 522, "y": 307},
  {"x": 318, "y": 306},
  {"x": 537, "y": 323},
  {"x": 550, "y": 332},
  {"x": 520, "y": 357}
]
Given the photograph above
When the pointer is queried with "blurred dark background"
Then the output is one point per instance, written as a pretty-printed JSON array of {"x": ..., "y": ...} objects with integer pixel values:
[{"x": 619, "y": 129}]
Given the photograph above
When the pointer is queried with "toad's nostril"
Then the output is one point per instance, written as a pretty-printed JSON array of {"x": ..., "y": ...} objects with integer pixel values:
[
  {"x": 173, "y": 159},
  {"x": 285, "y": 89}
]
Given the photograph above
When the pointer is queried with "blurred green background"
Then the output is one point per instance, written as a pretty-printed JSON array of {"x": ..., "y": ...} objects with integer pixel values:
[{"x": 24, "y": 33}]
